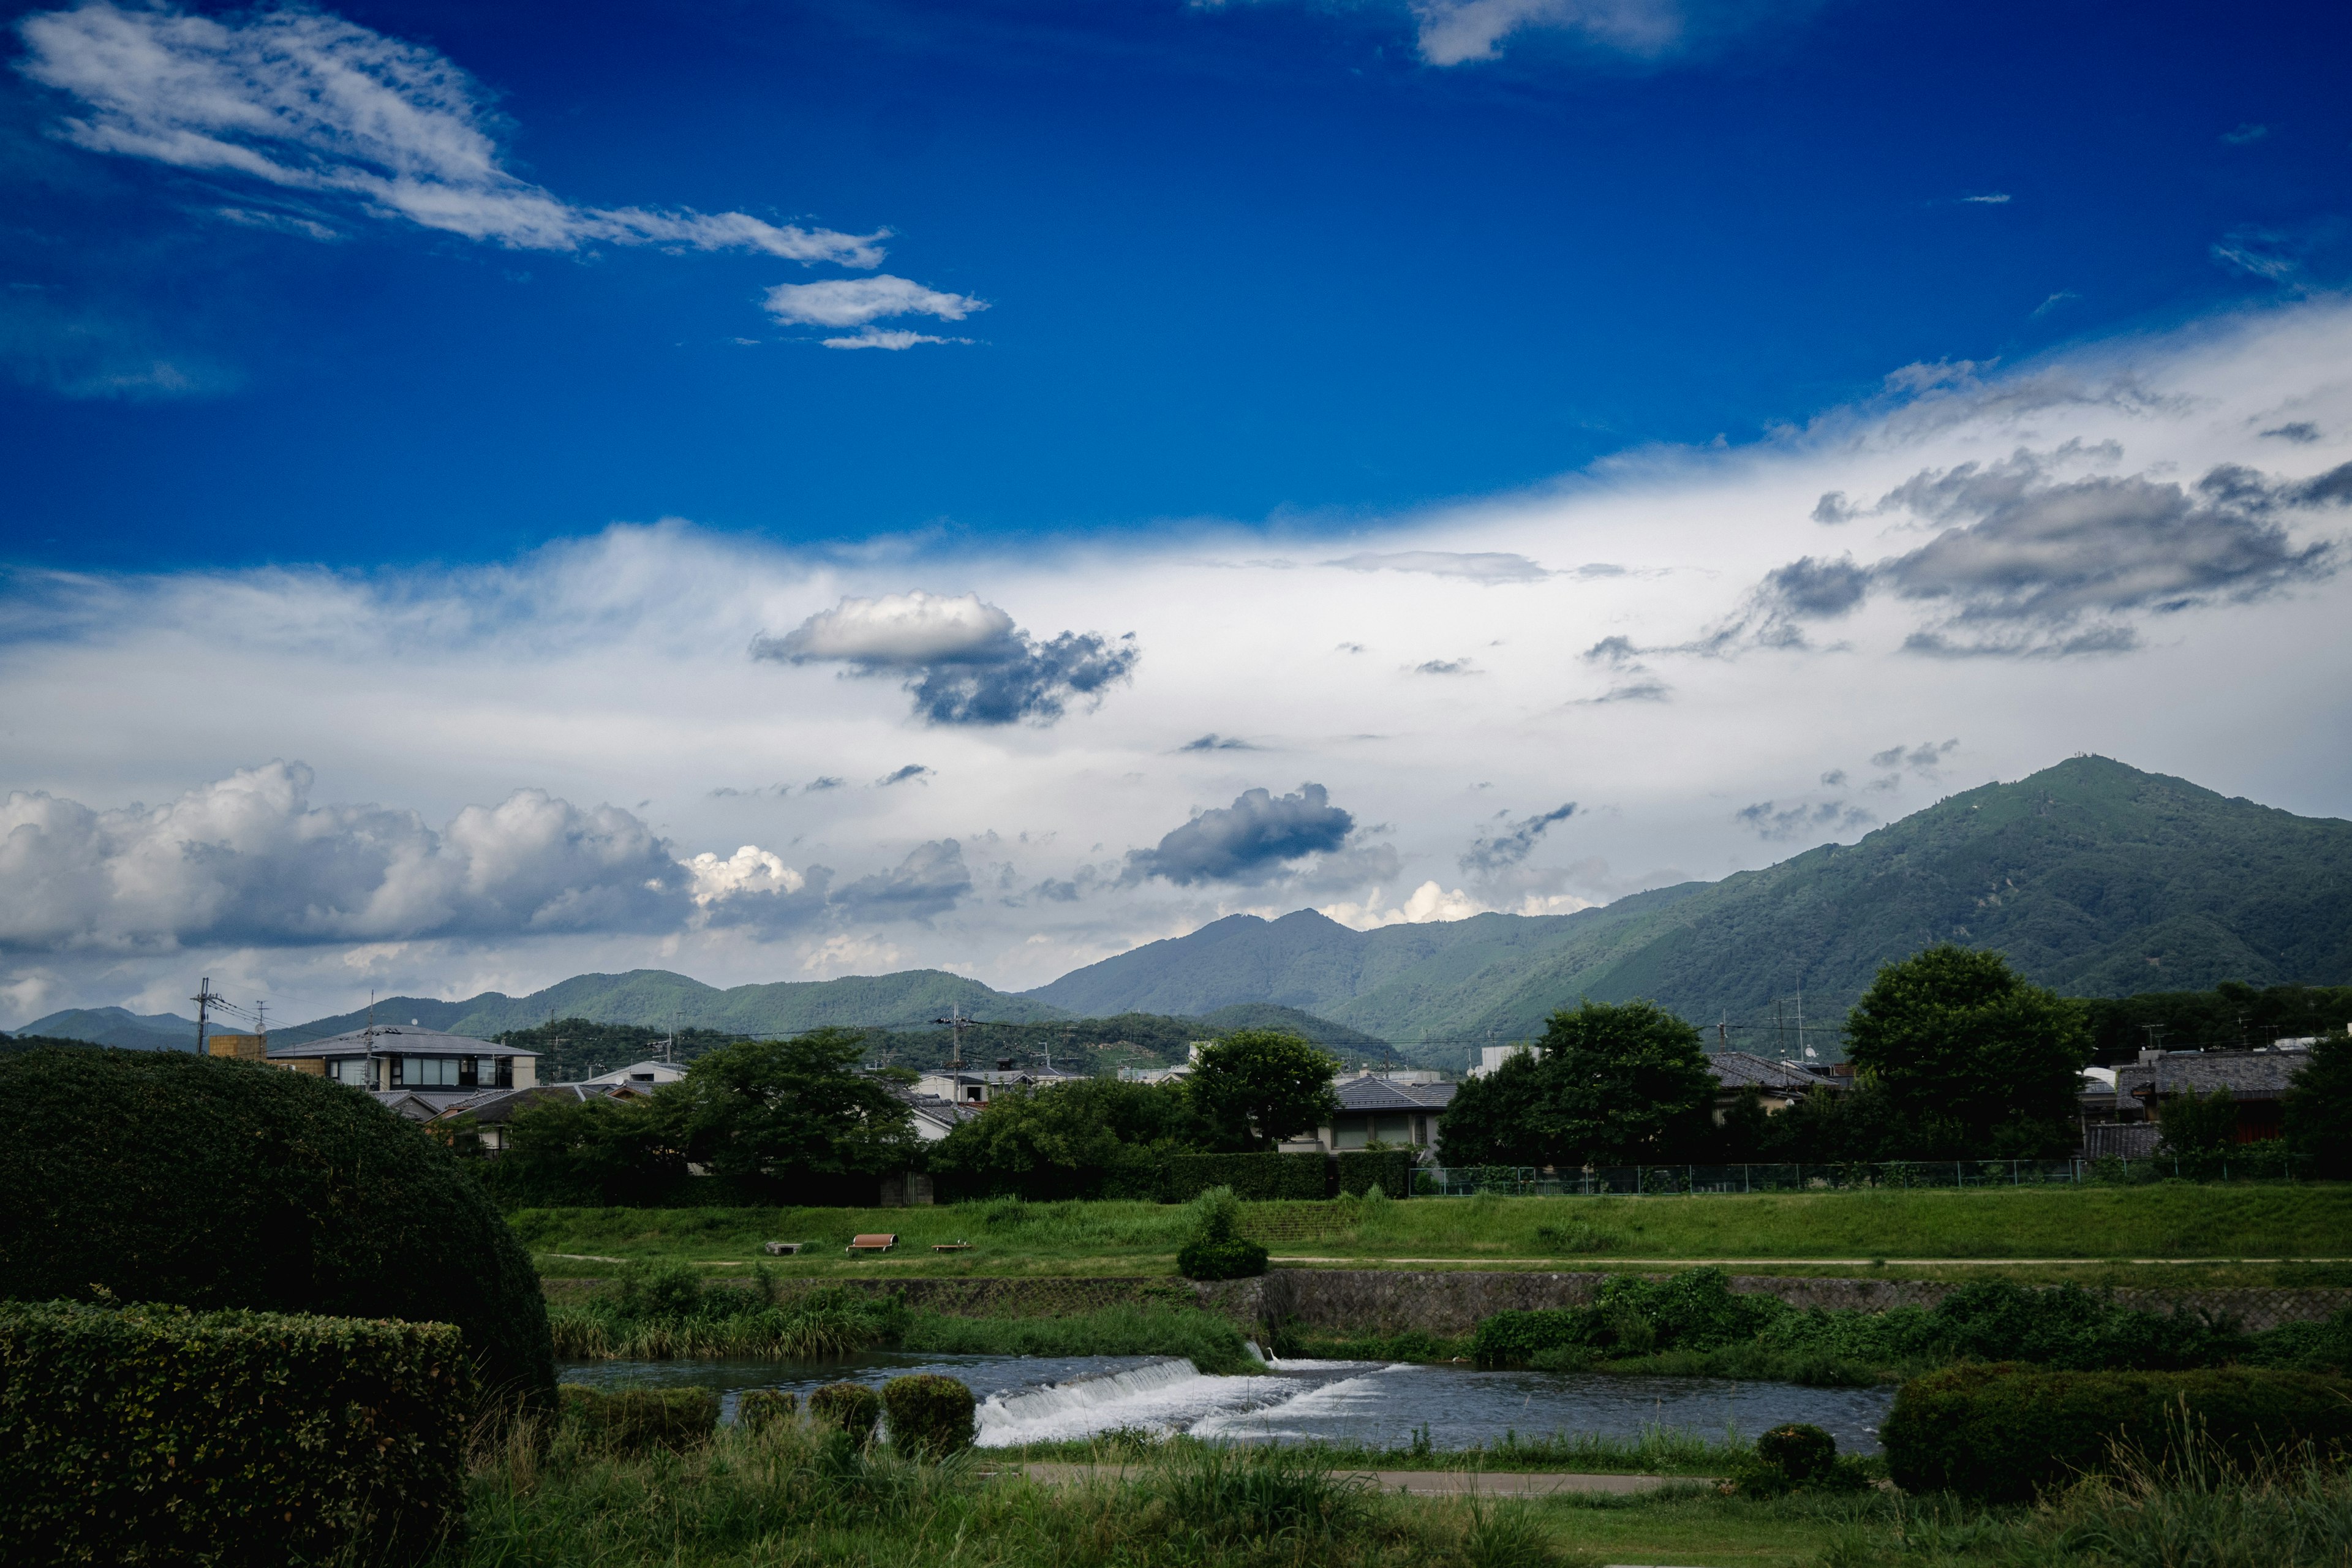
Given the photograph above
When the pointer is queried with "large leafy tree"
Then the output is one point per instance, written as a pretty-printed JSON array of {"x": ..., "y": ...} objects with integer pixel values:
[
  {"x": 2318, "y": 1110},
  {"x": 1971, "y": 1058},
  {"x": 765, "y": 1111},
  {"x": 598, "y": 1152},
  {"x": 1256, "y": 1086},
  {"x": 1084, "y": 1139},
  {"x": 1616, "y": 1083}
]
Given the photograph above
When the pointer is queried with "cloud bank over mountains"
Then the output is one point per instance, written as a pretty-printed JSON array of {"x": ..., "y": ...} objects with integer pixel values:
[{"x": 667, "y": 745}]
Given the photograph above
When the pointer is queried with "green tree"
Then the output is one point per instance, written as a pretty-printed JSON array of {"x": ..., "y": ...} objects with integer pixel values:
[
  {"x": 1616, "y": 1083},
  {"x": 596, "y": 1152},
  {"x": 1971, "y": 1058},
  {"x": 1256, "y": 1086},
  {"x": 761, "y": 1112},
  {"x": 2318, "y": 1108},
  {"x": 1085, "y": 1139},
  {"x": 2198, "y": 1125}
]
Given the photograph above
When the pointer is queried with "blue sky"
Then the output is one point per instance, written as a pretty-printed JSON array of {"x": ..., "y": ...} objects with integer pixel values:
[
  {"x": 795, "y": 489},
  {"x": 1240, "y": 262}
]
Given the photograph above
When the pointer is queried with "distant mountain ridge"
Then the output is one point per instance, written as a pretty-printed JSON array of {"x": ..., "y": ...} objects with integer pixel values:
[
  {"x": 120, "y": 1027},
  {"x": 2095, "y": 878}
]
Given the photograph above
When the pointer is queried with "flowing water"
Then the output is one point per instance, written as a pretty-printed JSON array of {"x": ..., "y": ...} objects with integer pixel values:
[{"x": 1025, "y": 1399}]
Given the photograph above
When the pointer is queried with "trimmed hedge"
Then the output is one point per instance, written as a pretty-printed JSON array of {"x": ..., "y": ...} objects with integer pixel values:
[
  {"x": 1388, "y": 1169},
  {"x": 851, "y": 1406},
  {"x": 637, "y": 1420},
  {"x": 758, "y": 1409},
  {"x": 163, "y": 1176},
  {"x": 1798, "y": 1449},
  {"x": 1252, "y": 1177},
  {"x": 2002, "y": 1432},
  {"x": 930, "y": 1416},
  {"x": 150, "y": 1433}
]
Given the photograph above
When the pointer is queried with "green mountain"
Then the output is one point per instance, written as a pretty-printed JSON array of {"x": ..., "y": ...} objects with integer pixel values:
[
  {"x": 2094, "y": 878},
  {"x": 119, "y": 1027},
  {"x": 658, "y": 999}
]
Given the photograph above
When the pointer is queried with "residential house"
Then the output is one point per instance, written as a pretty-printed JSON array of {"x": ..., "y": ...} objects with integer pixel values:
[
  {"x": 970, "y": 1087},
  {"x": 1399, "y": 1112},
  {"x": 410, "y": 1069},
  {"x": 2119, "y": 1116},
  {"x": 1778, "y": 1084}
]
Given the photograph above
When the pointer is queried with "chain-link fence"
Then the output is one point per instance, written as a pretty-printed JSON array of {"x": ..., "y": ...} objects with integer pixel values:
[{"x": 2250, "y": 1163}]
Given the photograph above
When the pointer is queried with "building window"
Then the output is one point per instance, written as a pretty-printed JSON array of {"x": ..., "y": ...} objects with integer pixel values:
[
  {"x": 424, "y": 1072},
  {"x": 349, "y": 1070}
]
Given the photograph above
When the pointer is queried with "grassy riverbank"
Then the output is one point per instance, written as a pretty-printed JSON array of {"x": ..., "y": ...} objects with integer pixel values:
[
  {"x": 792, "y": 1496},
  {"x": 2091, "y": 1236}
]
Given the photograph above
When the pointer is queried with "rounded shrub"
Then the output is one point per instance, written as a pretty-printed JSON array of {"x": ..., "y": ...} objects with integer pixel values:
[
  {"x": 758, "y": 1409},
  {"x": 930, "y": 1416},
  {"x": 851, "y": 1406},
  {"x": 2004, "y": 1432},
  {"x": 1233, "y": 1258},
  {"x": 159, "y": 1176},
  {"x": 1799, "y": 1450}
]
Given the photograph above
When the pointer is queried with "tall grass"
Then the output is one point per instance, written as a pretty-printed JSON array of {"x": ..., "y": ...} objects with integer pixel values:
[
  {"x": 789, "y": 1493},
  {"x": 663, "y": 1311},
  {"x": 1212, "y": 1344},
  {"x": 2189, "y": 1506}
]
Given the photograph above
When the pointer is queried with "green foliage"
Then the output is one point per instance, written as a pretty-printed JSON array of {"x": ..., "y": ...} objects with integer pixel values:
[
  {"x": 2230, "y": 1017},
  {"x": 639, "y": 1420},
  {"x": 595, "y": 1152},
  {"x": 1255, "y": 1177},
  {"x": 1972, "y": 1060},
  {"x": 930, "y": 1416},
  {"x": 661, "y": 1310},
  {"x": 1092, "y": 1137},
  {"x": 760, "y": 1408},
  {"x": 573, "y": 1048},
  {"x": 850, "y": 1408},
  {"x": 1217, "y": 1249},
  {"x": 1798, "y": 1450},
  {"x": 1208, "y": 1340},
  {"x": 2313, "y": 1347},
  {"x": 213, "y": 1184},
  {"x": 1615, "y": 1084},
  {"x": 2002, "y": 1433},
  {"x": 1256, "y": 1086},
  {"x": 764, "y": 1114},
  {"x": 2198, "y": 1125},
  {"x": 2318, "y": 1108},
  {"x": 154, "y": 1434},
  {"x": 1391, "y": 1170}
]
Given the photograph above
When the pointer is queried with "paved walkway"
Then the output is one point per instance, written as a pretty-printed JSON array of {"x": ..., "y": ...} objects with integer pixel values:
[{"x": 1411, "y": 1483}]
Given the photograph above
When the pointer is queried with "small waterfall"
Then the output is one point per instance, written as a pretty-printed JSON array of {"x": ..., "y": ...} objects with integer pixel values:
[
  {"x": 1256, "y": 1354},
  {"x": 1162, "y": 1394}
]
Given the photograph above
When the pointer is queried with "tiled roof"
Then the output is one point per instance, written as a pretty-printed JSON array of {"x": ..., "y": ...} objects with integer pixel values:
[
  {"x": 2247, "y": 1075},
  {"x": 496, "y": 1105},
  {"x": 400, "y": 1039},
  {"x": 1361, "y": 1094},
  {"x": 1744, "y": 1069}
]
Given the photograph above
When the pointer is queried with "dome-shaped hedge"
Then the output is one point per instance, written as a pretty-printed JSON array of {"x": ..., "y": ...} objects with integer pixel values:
[{"x": 164, "y": 1177}]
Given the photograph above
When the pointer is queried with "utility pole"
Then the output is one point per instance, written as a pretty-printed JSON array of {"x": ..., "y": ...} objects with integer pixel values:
[
  {"x": 957, "y": 1024},
  {"x": 261, "y": 1023},
  {"x": 204, "y": 999}
]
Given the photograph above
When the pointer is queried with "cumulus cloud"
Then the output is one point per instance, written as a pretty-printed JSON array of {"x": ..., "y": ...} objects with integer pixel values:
[
  {"x": 1430, "y": 902},
  {"x": 250, "y": 859},
  {"x": 1454, "y": 31},
  {"x": 305, "y": 101},
  {"x": 1445, "y": 666},
  {"x": 854, "y": 301},
  {"x": 1510, "y": 843},
  {"x": 880, "y": 338},
  {"x": 1258, "y": 838},
  {"x": 964, "y": 661},
  {"x": 755, "y": 887},
  {"x": 929, "y": 881},
  {"x": 2025, "y": 557},
  {"x": 1486, "y": 567}
]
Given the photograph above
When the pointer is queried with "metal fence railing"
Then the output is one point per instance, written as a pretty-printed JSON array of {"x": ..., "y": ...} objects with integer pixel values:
[{"x": 1683, "y": 1181}]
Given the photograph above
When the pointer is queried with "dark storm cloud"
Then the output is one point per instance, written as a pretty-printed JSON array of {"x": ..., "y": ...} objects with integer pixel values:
[
  {"x": 1254, "y": 839},
  {"x": 1773, "y": 822},
  {"x": 929, "y": 881},
  {"x": 1512, "y": 842}
]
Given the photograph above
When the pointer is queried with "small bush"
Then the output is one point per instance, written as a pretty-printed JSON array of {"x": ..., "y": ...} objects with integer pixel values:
[
  {"x": 1217, "y": 1250},
  {"x": 1391, "y": 1170},
  {"x": 1798, "y": 1450},
  {"x": 2004, "y": 1432},
  {"x": 156, "y": 1435},
  {"x": 758, "y": 1409},
  {"x": 637, "y": 1420},
  {"x": 930, "y": 1416},
  {"x": 851, "y": 1406}
]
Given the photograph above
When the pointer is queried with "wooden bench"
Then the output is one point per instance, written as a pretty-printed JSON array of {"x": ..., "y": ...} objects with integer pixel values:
[
  {"x": 879, "y": 1241},
  {"x": 951, "y": 1247}
]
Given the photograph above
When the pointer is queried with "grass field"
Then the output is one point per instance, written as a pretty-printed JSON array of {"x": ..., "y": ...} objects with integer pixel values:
[{"x": 2089, "y": 1234}]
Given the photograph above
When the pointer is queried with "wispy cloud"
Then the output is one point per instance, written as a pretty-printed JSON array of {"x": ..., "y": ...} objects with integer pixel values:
[
  {"x": 2245, "y": 135},
  {"x": 854, "y": 301},
  {"x": 1989, "y": 199},
  {"x": 303, "y": 100},
  {"x": 1489, "y": 566}
]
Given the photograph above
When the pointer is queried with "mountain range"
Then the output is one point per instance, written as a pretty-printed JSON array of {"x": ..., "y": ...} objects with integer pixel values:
[{"x": 2095, "y": 878}]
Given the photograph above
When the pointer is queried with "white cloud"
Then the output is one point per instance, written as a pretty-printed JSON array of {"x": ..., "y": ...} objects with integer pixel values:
[
  {"x": 879, "y": 338},
  {"x": 1427, "y": 902},
  {"x": 614, "y": 669},
  {"x": 854, "y": 301},
  {"x": 1454, "y": 31},
  {"x": 1486, "y": 567},
  {"x": 305, "y": 101}
]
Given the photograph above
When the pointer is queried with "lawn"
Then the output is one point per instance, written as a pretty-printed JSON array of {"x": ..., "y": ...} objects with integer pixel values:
[{"x": 2093, "y": 1232}]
